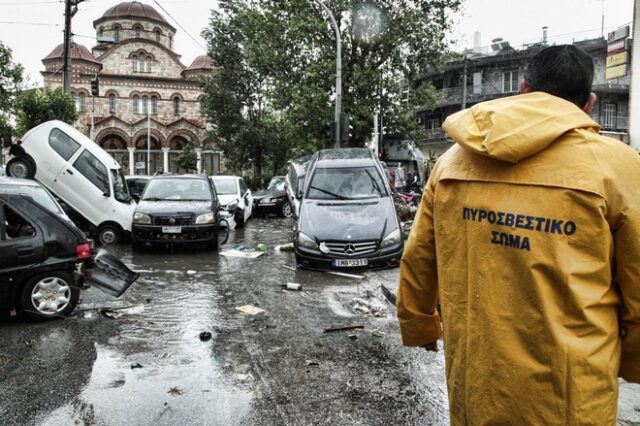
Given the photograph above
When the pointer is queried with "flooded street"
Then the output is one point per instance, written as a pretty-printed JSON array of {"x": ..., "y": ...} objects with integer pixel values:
[{"x": 147, "y": 364}]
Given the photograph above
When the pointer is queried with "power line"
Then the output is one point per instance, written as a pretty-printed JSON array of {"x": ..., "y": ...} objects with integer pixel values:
[
  {"x": 181, "y": 27},
  {"x": 30, "y": 23},
  {"x": 29, "y": 2}
]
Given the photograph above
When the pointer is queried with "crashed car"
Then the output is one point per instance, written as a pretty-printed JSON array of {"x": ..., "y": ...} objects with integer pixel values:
[
  {"x": 274, "y": 200},
  {"x": 347, "y": 217},
  {"x": 45, "y": 261},
  {"x": 235, "y": 197},
  {"x": 177, "y": 210}
]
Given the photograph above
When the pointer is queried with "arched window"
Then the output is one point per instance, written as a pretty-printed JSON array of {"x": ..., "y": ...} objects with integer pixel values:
[
  {"x": 148, "y": 67},
  {"x": 112, "y": 104},
  {"x": 176, "y": 106},
  {"x": 145, "y": 105},
  {"x": 80, "y": 102},
  {"x": 137, "y": 31},
  {"x": 116, "y": 33},
  {"x": 170, "y": 41},
  {"x": 134, "y": 58},
  {"x": 154, "y": 105},
  {"x": 136, "y": 104},
  {"x": 101, "y": 32},
  {"x": 157, "y": 34}
]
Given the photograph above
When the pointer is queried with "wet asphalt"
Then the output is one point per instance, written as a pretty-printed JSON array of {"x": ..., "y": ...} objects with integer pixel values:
[{"x": 149, "y": 365}]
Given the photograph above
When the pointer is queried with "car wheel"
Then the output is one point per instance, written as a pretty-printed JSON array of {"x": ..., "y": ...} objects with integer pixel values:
[
  {"x": 21, "y": 168},
  {"x": 108, "y": 234},
  {"x": 239, "y": 219},
  {"x": 50, "y": 295},
  {"x": 286, "y": 209}
]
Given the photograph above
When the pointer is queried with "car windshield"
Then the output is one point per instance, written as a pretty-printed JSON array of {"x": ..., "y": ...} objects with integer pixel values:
[
  {"x": 37, "y": 193},
  {"x": 225, "y": 186},
  {"x": 120, "y": 189},
  {"x": 177, "y": 189},
  {"x": 354, "y": 183},
  {"x": 276, "y": 184}
]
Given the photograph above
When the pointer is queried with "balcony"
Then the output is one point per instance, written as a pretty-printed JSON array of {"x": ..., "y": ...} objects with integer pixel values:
[{"x": 475, "y": 94}]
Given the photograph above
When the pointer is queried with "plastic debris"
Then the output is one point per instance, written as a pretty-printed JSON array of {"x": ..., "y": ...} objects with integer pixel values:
[
  {"x": 175, "y": 391},
  {"x": 250, "y": 309},
  {"x": 376, "y": 332},
  {"x": 191, "y": 272},
  {"x": 342, "y": 274},
  {"x": 291, "y": 268},
  {"x": 348, "y": 327},
  {"x": 205, "y": 336},
  {"x": 246, "y": 254},
  {"x": 372, "y": 307},
  {"x": 285, "y": 247},
  {"x": 136, "y": 365},
  {"x": 115, "y": 313},
  {"x": 292, "y": 286},
  {"x": 353, "y": 336},
  {"x": 262, "y": 247},
  {"x": 387, "y": 293},
  {"x": 312, "y": 363}
]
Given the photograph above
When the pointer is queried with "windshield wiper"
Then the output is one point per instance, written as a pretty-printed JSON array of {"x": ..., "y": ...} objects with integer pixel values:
[
  {"x": 373, "y": 180},
  {"x": 339, "y": 197},
  {"x": 154, "y": 199}
]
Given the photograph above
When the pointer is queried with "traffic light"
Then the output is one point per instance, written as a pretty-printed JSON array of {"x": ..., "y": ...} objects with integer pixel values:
[
  {"x": 346, "y": 129},
  {"x": 330, "y": 130},
  {"x": 95, "y": 87}
]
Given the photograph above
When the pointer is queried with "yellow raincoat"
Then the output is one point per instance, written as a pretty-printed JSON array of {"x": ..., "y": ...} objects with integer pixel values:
[{"x": 529, "y": 235}]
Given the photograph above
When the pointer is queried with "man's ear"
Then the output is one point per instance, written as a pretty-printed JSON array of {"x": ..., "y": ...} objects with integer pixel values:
[
  {"x": 591, "y": 102},
  {"x": 524, "y": 86}
]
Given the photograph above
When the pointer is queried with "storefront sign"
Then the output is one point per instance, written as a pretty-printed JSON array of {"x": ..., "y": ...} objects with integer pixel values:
[
  {"x": 619, "y": 34},
  {"x": 616, "y": 72},
  {"x": 617, "y": 59}
]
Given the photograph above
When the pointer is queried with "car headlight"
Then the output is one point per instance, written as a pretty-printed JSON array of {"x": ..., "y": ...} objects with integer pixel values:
[
  {"x": 306, "y": 241},
  {"x": 275, "y": 200},
  {"x": 391, "y": 239},
  {"x": 141, "y": 218},
  {"x": 205, "y": 218}
]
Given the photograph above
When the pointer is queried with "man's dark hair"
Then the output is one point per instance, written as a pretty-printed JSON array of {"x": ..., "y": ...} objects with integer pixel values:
[{"x": 564, "y": 71}]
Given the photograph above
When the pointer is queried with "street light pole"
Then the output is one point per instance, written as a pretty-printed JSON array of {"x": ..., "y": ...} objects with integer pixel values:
[
  {"x": 338, "y": 69},
  {"x": 148, "y": 141},
  {"x": 70, "y": 9}
]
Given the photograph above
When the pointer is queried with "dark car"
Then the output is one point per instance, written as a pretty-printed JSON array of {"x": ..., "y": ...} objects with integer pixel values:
[
  {"x": 136, "y": 185},
  {"x": 45, "y": 260},
  {"x": 274, "y": 199},
  {"x": 347, "y": 217},
  {"x": 177, "y": 210}
]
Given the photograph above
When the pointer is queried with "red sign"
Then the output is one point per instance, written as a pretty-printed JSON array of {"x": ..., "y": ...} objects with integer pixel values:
[{"x": 616, "y": 47}]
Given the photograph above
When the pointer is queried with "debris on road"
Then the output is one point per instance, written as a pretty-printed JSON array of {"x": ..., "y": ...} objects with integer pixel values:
[
  {"x": 353, "y": 336},
  {"x": 292, "y": 286},
  {"x": 262, "y": 247},
  {"x": 387, "y": 293},
  {"x": 250, "y": 309},
  {"x": 174, "y": 391},
  {"x": 205, "y": 336},
  {"x": 372, "y": 307},
  {"x": 191, "y": 272},
  {"x": 246, "y": 254},
  {"x": 345, "y": 328},
  {"x": 342, "y": 274},
  {"x": 376, "y": 332},
  {"x": 312, "y": 363},
  {"x": 136, "y": 365},
  {"x": 115, "y": 313},
  {"x": 291, "y": 268},
  {"x": 284, "y": 247}
]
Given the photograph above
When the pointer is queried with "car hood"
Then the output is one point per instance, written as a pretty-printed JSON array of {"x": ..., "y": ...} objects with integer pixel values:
[
  {"x": 338, "y": 220},
  {"x": 225, "y": 199},
  {"x": 271, "y": 194},
  {"x": 173, "y": 207}
]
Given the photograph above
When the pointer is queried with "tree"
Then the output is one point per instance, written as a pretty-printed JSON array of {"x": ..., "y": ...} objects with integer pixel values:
[
  {"x": 10, "y": 81},
  {"x": 36, "y": 106},
  {"x": 188, "y": 159}
]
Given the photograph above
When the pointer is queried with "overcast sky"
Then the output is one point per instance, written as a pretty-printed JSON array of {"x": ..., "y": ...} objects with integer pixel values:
[{"x": 32, "y": 28}]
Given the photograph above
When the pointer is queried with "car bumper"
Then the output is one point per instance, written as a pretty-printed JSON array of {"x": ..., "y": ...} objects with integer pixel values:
[
  {"x": 188, "y": 234},
  {"x": 386, "y": 258},
  {"x": 263, "y": 208}
]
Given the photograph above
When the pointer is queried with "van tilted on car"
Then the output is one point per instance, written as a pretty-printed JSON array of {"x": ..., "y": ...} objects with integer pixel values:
[{"x": 83, "y": 175}]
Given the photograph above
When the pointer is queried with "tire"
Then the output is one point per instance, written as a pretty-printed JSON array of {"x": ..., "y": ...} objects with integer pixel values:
[
  {"x": 108, "y": 234},
  {"x": 239, "y": 219},
  {"x": 48, "y": 296},
  {"x": 21, "y": 167},
  {"x": 286, "y": 210}
]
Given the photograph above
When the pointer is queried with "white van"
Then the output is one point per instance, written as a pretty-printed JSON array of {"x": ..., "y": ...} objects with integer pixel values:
[{"x": 80, "y": 173}]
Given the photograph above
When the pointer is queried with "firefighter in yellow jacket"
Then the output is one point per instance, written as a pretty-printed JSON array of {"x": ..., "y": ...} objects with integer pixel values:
[{"x": 529, "y": 236}]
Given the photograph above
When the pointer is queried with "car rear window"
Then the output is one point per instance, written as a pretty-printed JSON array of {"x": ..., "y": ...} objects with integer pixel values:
[{"x": 62, "y": 143}]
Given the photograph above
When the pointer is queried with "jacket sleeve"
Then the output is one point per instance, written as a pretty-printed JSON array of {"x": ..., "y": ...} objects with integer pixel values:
[
  {"x": 418, "y": 285},
  {"x": 626, "y": 235}
]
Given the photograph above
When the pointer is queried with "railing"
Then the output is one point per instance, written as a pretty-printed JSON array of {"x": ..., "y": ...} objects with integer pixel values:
[
  {"x": 617, "y": 124},
  {"x": 477, "y": 93}
]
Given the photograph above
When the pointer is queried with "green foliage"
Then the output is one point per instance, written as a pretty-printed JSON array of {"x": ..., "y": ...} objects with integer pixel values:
[
  {"x": 273, "y": 87},
  {"x": 36, "y": 106},
  {"x": 10, "y": 82},
  {"x": 188, "y": 159}
]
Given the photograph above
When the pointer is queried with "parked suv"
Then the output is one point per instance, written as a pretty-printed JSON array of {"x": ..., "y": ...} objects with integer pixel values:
[
  {"x": 347, "y": 217},
  {"x": 83, "y": 175},
  {"x": 176, "y": 210},
  {"x": 45, "y": 261}
]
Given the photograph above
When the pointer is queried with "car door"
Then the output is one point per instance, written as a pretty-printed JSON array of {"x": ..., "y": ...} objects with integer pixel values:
[
  {"x": 246, "y": 198},
  {"x": 62, "y": 148},
  {"x": 21, "y": 243},
  {"x": 84, "y": 184}
]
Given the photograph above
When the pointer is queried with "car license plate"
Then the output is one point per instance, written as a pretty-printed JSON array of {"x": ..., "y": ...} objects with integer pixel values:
[
  {"x": 345, "y": 263},
  {"x": 171, "y": 229}
]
